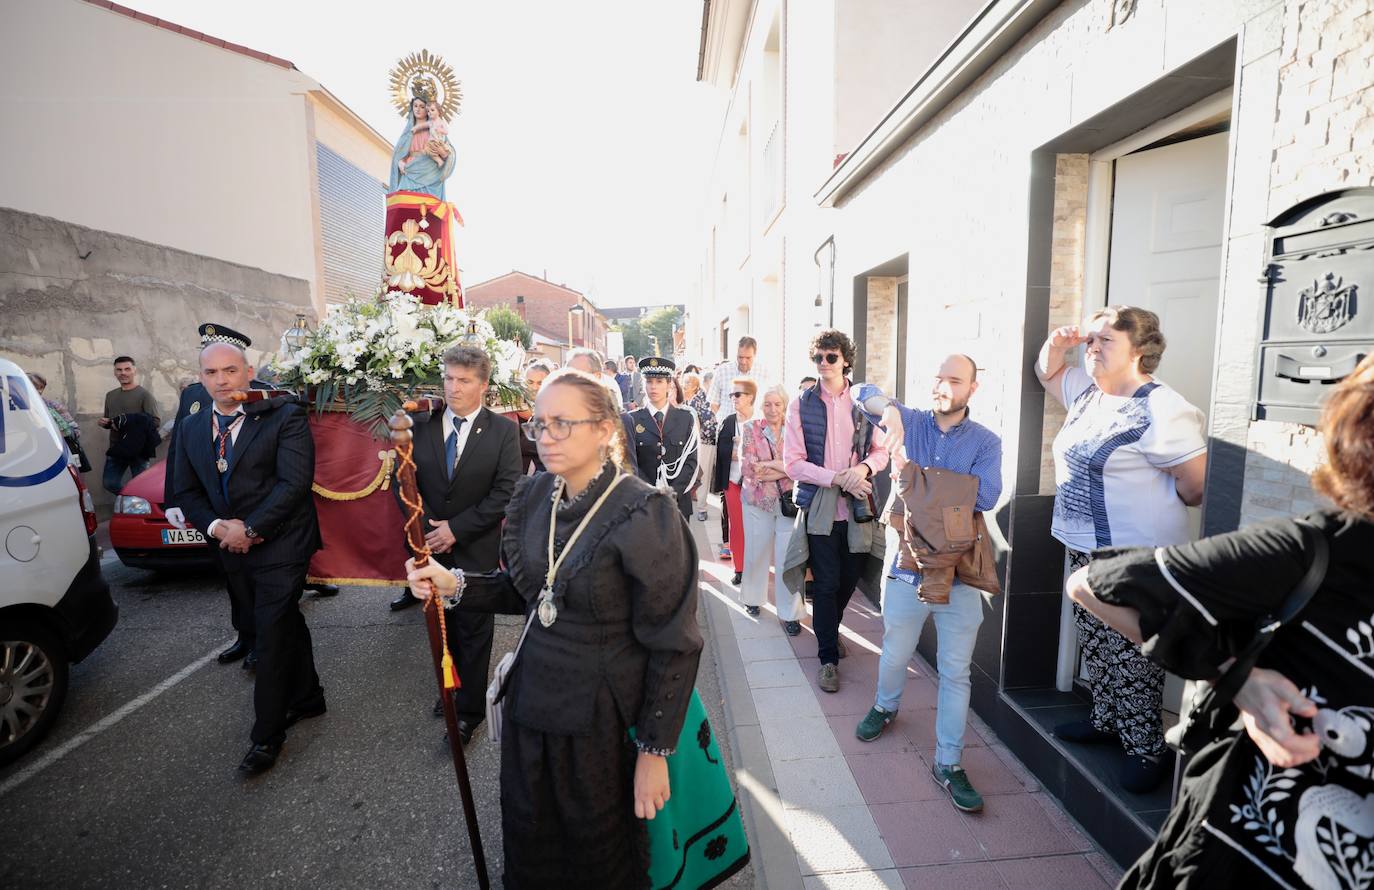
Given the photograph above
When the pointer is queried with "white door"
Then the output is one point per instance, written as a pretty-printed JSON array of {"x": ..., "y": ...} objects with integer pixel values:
[
  {"x": 1167, "y": 212},
  {"x": 1168, "y": 209}
]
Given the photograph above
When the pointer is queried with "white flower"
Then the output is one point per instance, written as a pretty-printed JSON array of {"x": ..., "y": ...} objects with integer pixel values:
[{"x": 319, "y": 375}]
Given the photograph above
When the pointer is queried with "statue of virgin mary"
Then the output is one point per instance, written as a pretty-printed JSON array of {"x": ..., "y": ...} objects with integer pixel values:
[
  {"x": 426, "y": 94},
  {"x": 423, "y": 157}
]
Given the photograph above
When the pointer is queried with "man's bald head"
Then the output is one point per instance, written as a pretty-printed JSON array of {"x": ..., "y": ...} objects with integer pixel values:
[
  {"x": 955, "y": 383},
  {"x": 221, "y": 351},
  {"x": 224, "y": 369}
]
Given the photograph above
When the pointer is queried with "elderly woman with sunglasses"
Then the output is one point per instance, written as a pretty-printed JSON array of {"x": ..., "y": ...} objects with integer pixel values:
[{"x": 729, "y": 471}]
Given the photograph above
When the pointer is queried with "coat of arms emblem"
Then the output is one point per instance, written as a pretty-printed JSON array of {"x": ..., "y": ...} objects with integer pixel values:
[{"x": 1327, "y": 305}]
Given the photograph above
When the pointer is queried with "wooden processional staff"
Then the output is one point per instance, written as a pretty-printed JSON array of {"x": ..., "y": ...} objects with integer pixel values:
[{"x": 444, "y": 673}]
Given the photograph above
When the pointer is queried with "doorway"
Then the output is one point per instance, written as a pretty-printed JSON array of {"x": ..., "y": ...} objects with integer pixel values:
[{"x": 1168, "y": 211}]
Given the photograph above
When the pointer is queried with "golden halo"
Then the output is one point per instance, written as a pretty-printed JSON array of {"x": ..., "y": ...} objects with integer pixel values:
[{"x": 425, "y": 75}]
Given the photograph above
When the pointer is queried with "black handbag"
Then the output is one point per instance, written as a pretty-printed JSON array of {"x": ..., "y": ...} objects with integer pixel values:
[
  {"x": 789, "y": 506},
  {"x": 1213, "y": 710}
]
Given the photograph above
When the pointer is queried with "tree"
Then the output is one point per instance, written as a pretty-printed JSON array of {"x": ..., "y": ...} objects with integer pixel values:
[
  {"x": 660, "y": 324},
  {"x": 509, "y": 325},
  {"x": 636, "y": 343}
]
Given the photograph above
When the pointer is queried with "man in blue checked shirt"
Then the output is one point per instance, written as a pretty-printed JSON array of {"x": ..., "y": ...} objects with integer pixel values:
[{"x": 942, "y": 437}]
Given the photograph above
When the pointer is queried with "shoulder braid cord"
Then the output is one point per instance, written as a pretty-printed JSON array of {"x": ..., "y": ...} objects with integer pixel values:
[
  {"x": 405, "y": 459},
  {"x": 670, "y": 470}
]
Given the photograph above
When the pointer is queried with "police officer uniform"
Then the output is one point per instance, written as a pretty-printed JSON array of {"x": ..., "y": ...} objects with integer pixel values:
[{"x": 662, "y": 443}]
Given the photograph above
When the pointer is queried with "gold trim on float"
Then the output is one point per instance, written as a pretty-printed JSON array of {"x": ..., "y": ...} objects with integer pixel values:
[{"x": 382, "y": 481}]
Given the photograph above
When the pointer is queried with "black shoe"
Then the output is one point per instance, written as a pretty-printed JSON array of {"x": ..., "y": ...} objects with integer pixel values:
[
  {"x": 313, "y": 707},
  {"x": 792, "y": 627},
  {"x": 1083, "y": 732},
  {"x": 260, "y": 758},
  {"x": 739, "y": 576},
  {"x": 235, "y": 652},
  {"x": 438, "y": 707},
  {"x": 752, "y": 611},
  {"x": 404, "y": 601},
  {"x": 465, "y": 730},
  {"x": 322, "y": 590},
  {"x": 251, "y": 662},
  {"x": 1141, "y": 774}
]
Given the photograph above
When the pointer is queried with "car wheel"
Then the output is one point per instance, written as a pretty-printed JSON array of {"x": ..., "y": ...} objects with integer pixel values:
[{"x": 33, "y": 685}]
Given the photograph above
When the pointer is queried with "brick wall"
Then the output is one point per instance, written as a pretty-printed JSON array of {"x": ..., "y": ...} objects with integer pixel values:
[
  {"x": 1323, "y": 130},
  {"x": 545, "y": 307}
]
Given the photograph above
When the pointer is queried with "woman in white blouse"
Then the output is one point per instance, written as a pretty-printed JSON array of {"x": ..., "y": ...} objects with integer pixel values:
[{"x": 1129, "y": 460}]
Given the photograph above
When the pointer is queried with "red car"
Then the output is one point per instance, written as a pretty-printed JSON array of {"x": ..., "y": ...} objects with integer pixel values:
[{"x": 141, "y": 535}]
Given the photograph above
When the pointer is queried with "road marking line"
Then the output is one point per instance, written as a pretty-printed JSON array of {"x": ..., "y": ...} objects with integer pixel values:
[{"x": 104, "y": 723}]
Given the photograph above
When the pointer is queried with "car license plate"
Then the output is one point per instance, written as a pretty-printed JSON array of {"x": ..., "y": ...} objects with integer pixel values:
[{"x": 182, "y": 536}]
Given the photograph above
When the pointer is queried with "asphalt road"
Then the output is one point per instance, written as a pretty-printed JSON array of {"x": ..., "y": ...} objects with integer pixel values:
[{"x": 137, "y": 787}]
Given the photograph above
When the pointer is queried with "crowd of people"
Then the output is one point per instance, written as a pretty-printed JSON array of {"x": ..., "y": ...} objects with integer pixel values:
[{"x": 577, "y": 514}]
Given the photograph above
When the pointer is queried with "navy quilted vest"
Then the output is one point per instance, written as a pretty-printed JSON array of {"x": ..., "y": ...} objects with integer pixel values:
[{"x": 814, "y": 422}]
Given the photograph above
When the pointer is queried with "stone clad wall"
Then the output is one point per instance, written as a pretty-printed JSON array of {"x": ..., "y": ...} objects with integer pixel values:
[
  {"x": 1066, "y": 281},
  {"x": 72, "y": 298},
  {"x": 1322, "y": 138}
]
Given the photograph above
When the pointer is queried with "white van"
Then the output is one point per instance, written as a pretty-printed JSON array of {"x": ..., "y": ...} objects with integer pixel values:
[{"x": 55, "y": 606}]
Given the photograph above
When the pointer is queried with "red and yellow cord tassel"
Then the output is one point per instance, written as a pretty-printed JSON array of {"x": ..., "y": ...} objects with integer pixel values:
[{"x": 450, "y": 675}]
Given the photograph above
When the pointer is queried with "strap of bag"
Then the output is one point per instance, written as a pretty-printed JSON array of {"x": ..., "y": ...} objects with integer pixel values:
[
  {"x": 1226, "y": 687},
  {"x": 1213, "y": 711},
  {"x": 773, "y": 455}
]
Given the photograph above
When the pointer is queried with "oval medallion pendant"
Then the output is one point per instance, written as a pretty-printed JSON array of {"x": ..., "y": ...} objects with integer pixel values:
[{"x": 548, "y": 612}]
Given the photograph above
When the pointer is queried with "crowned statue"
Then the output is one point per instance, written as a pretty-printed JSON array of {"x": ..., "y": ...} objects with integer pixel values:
[{"x": 419, "y": 257}]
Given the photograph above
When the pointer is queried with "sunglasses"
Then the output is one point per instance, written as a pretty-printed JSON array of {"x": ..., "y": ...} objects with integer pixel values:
[
  {"x": 737, "y": 395},
  {"x": 828, "y": 358}
]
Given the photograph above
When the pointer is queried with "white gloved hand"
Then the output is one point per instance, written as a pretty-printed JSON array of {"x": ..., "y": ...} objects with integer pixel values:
[{"x": 175, "y": 517}]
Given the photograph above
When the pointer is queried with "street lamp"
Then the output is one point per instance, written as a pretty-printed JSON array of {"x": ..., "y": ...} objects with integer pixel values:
[{"x": 578, "y": 311}]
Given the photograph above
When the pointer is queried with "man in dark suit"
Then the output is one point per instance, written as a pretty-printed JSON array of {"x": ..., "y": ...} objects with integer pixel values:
[
  {"x": 662, "y": 438},
  {"x": 195, "y": 399},
  {"x": 467, "y": 461},
  {"x": 243, "y": 475}
]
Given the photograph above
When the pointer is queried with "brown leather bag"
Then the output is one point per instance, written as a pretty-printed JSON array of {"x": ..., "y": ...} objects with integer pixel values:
[{"x": 978, "y": 565}]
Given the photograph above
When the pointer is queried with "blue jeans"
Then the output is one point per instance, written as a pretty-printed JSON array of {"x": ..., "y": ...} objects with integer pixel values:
[
  {"x": 116, "y": 467},
  {"x": 956, "y": 627}
]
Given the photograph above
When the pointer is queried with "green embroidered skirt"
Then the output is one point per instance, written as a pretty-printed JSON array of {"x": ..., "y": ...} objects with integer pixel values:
[{"x": 697, "y": 840}]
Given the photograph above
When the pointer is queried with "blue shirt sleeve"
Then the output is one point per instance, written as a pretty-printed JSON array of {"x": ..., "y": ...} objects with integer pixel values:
[
  {"x": 987, "y": 466},
  {"x": 862, "y": 392}
]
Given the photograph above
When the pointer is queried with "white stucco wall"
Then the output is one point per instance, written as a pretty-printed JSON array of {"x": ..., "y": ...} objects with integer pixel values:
[{"x": 125, "y": 127}]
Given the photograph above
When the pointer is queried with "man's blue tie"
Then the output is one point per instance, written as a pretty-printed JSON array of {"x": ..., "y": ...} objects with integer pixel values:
[{"x": 451, "y": 446}]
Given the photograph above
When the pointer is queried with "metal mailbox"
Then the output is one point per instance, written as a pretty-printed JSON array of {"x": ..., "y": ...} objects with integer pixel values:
[{"x": 1318, "y": 319}]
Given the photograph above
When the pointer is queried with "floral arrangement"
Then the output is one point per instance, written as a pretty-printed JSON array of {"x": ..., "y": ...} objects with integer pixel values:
[{"x": 373, "y": 354}]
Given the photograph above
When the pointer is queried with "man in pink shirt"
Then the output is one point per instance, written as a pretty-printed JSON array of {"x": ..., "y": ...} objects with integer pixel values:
[{"x": 830, "y": 450}]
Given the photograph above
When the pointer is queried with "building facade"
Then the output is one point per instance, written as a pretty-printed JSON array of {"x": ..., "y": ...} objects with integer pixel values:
[
  {"x": 562, "y": 318},
  {"x": 1049, "y": 158},
  {"x": 196, "y": 180}
]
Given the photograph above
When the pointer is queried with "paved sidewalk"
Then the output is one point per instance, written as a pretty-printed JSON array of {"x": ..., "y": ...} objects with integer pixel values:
[{"x": 827, "y": 810}]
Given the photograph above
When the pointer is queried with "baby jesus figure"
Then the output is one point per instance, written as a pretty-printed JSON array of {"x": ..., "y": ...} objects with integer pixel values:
[{"x": 438, "y": 146}]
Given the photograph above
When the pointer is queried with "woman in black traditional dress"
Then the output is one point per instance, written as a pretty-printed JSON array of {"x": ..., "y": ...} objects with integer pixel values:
[
  {"x": 1276, "y": 807},
  {"x": 612, "y": 645}
]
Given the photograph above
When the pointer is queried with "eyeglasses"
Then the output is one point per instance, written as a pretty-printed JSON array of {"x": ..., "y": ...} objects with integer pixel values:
[
  {"x": 558, "y": 429},
  {"x": 738, "y": 395},
  {"x": 828, "y": 358}
]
